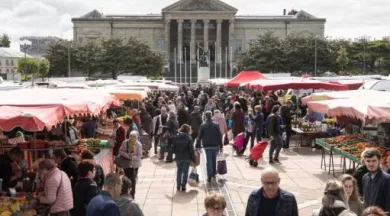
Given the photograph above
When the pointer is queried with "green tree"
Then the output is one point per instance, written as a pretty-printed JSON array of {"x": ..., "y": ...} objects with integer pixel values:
[
  {"x": 5, "y": 41},
  {"x": 265, "y": 54},
  {"x": 342, "y": 57},
  {"x": 131, "y": 56},
  {"x": 44, "y": 66},
  {"x": 57, "y": 55},
  {"x": 87, "y": 58},
  {"x": 27, "y": 67}
]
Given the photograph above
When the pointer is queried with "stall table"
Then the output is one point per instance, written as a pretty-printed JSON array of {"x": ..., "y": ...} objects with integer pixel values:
[{"x": 310, "y": 135}]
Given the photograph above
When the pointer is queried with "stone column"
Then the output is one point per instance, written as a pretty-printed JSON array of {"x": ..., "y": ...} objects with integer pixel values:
[
  {"x": 206, "y": 35},
  {"x": 231, "y": 38},
  {"x": 219, "y": 40},
  {"x": 167, "y": 40},
  {"x": 192, "y": 44},
  {"x": 179, "y": 40}
]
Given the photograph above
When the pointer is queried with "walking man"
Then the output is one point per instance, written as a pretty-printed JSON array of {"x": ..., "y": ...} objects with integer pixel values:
[{"x": 211, "y": 138}]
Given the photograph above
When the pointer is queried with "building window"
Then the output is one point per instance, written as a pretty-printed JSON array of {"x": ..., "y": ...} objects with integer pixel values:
[
  {"x": 239, "y": 45},
  {"x": 0, "y": 62},
  {"x": 12, "y": 62},
  {"x": 7, "y": 71},
  {"x": 6, "y": 62},
  {"x": 0, "y": 71},
  {"x": 81, "y": 41},
  {"x": 160, "y": 44}
]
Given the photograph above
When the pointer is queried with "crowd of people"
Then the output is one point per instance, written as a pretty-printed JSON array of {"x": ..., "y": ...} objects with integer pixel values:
[{"x": 180, "y": 125}]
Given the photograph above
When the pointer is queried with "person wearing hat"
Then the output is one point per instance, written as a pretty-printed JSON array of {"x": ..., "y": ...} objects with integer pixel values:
[
  {"x": 211, "y": 138},
  {"x": 333, "y": 201}
]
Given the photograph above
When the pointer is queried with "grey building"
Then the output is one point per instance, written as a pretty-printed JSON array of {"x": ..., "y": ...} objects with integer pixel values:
[
  {"x": 38, "y": 45},
  {"x": 183, "y": 26}
]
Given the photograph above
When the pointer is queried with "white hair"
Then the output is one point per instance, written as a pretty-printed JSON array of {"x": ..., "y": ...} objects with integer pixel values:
[
  {"x": 133, "y": 133},
  {"x": 270, "y": 170}
]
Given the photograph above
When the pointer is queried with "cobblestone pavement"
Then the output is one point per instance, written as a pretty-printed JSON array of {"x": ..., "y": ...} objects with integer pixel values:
[{"x": 300, "y": 174}]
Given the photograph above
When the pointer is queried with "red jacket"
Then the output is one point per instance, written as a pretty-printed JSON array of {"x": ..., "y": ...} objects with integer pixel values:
[{"x": 119, "y": 138}]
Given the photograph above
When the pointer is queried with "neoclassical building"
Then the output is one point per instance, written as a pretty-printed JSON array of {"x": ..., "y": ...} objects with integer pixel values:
[{"x": 182, "y": 27}]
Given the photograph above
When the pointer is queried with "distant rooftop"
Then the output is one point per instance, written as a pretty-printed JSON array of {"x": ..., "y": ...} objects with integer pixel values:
[
  {"x": 39, "y": 37},
  {"x": 11, "y": 53}
]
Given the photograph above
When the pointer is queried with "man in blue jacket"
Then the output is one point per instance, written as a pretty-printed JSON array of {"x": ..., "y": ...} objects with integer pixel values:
[
  {"x": 270, "y": 200},
  {"x": 103, "y": 204}
]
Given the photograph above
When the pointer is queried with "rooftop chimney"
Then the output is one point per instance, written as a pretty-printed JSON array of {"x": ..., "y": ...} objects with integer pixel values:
[{"x": 284, "y": 12}]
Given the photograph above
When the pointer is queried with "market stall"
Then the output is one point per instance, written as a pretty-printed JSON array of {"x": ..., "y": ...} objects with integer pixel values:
[
  {"x": 273, "y": 85},
  {"x": 349, "y": 147},
  {"x": 351, "y": 84},
  {"x": 244, "y": 77}
]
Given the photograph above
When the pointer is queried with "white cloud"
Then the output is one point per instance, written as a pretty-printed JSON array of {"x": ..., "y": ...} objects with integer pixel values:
[{"x": 347, "y": 18}]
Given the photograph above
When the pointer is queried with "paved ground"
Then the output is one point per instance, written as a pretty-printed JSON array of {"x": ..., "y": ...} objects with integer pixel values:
[{"x": 300, "y": 174}]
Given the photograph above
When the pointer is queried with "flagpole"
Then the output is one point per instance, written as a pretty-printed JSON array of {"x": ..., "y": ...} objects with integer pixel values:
[
  {"x": 231, "y": 62},
  {"x": 220, "y": 62},
  {"x": 185, "y": 64},
  {"x": 226, "y": 62},
  {"x": 197, "y": 62},
  {"x": 175, "y": 56},
  {"x": 180, "y": 61},
  {"x": 215, "y": 61},
  {"x": 190, "y": 68}
]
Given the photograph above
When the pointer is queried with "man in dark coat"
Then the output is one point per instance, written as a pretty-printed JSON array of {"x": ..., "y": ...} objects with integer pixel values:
[
  {"x": 285, "y": 113},
  {"x": 66, "y": 164},
  {"x": 182, "y": 115},
  {"x": 211, "y": 138},
  {"x": 270, "y": 200},
  {"x": 195, "y": 120},
  {"x": 146, "y": 121}
]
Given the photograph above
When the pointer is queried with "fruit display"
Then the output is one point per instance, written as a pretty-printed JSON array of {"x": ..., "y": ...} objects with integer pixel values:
[
  {"x": 354, "y": 144},
  {"x": 19, "y": 205},
  {"x": 90, "y": 142}
]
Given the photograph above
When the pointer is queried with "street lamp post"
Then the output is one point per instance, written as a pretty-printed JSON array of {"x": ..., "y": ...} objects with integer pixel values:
[
  {"x": 315, "y": 56},
  {"x": 25, "y": 45}
]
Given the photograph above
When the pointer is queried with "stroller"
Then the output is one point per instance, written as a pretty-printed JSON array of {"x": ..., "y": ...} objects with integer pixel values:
[{"x": 257, "y": 152}]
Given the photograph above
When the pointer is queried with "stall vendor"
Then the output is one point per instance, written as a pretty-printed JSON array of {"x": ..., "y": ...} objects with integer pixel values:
[
  {"x": 10, "y": 171},
  {"x": 313, "y": 116}
]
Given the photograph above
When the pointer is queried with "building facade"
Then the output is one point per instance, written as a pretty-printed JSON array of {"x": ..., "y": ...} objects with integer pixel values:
[
  {"x": 188, "y": 27},
  {"x": 8, "y": 63},
  {"x": 38, "y": 45}
]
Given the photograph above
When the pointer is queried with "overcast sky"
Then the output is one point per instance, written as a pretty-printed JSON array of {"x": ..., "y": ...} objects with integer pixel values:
[{"x": 345, "y": 18}]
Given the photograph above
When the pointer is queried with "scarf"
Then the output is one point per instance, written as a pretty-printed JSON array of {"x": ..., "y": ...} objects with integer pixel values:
[{"x": 132, "y": 148}]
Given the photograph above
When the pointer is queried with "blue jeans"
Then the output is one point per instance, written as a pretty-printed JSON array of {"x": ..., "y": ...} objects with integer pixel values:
[
  {"x": 182, "y": 173},
  {"x": 211, "y": 158}
]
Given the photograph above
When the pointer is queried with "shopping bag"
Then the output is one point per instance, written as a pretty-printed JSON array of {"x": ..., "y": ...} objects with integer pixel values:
[
  {"x": 230, "y": 135},
  {"x": 221, "y": 166},
  {"x": 193, "y": 178},
  {"x": 122, "y": 162},
  {"x": 196, "y": 159},
  {"x": 225, "y": 139}
]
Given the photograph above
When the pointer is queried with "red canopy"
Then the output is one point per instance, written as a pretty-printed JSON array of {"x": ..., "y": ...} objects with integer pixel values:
[
  {"x": 243, "y": 77},
  {"x": 351, "y": 84},
  {"x": 272, "y": 85},
  {"x": 30, "y": 118}
]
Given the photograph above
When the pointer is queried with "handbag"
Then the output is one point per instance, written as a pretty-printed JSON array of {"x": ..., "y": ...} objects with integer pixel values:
[
  {"x": 222, "y": 166},
  {"x": 44, "y": 209},
  {"x": 121, "y": 161},
  {"x": 196, "y": 160},
  {"x": 193, "y": 178},
  {"x": 226, "y": 140}
]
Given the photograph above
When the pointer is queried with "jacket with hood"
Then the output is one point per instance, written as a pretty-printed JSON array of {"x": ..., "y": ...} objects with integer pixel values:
[
  {"x": 128, "y": 207},
  {"x": 338, "y": 209}
]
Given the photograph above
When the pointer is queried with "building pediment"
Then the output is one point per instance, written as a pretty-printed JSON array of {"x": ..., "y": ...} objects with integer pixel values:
[
  {"x": 303, "y": 15},
  {"x": 199, "y": 5},
  {"x": 93, "y": 14}
]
